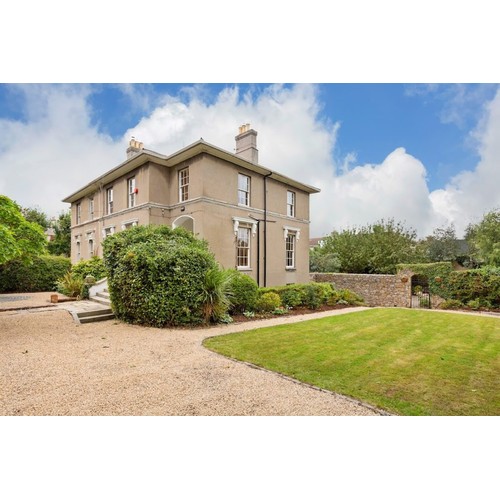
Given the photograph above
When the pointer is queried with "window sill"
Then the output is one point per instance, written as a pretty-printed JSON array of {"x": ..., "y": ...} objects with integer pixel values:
[
  {"x": 243, "y": 205},
  {"x": 244, "y": 268},
  {"x": 290, "y": 268}
]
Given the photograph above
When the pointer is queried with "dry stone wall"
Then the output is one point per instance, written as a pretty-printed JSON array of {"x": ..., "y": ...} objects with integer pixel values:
[{"x": 385, "y": 290}]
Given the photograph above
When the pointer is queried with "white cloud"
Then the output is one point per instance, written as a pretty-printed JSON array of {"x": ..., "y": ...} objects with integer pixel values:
[
  {"x": 472, "y": 193},
  {"x": 56, "y": 149}
]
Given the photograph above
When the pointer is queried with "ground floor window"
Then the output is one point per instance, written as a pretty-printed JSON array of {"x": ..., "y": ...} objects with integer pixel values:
[
  {"x": 243, "y": 248},
  {"x": 78, "y": 251},
  {"x": 290, "y": 251},
  {"x": 91, "y": 248}
]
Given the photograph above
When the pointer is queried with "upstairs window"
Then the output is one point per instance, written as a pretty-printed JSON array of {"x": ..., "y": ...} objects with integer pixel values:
[
  {"x": 243, "y": 190},
  {"x": 91, "y": 208},
  {"x": 131, "y": 192},
  {"x": 184, "y": 184},
  {"x": 78, "y": 213},
  {"x": 290, "y": 203},
  {"x": 109, "y": 201},
  {"x": 243, "y": 248}
]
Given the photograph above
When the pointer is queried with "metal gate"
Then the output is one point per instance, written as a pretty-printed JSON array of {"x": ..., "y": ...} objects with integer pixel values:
[{"x": 420, "y": 292}]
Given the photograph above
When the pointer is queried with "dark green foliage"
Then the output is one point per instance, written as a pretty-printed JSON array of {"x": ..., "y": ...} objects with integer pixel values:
[
  {"x": 482, "y": 285},
  {"x": 484, "y": 239},
  {"x": 156, "y": 275},
  {"x": 268, "y": 302},
  {"x": 243, "y": 291},
  {"x": 321, "y": 262},
  {"x": 373, "y": 249},
  {"x": 451, "y": 304},
  {"x": 61, "y": 244},
  {"x": 35, "y": 214},
  {"x": 39, "y": 276},
  {"x": 437, "y": 274},
  {"x": 92, "y": 267},
  {"x": 311, "y": 295},
  {"x": 441, "y": 246}
]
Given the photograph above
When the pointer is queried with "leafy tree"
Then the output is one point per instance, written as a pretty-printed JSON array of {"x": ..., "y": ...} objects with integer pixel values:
[
  {"x": 375, "y": 248},
  {"x": 484, "y": 239},
  {"x": 37, "y": 216},
  {"x": 18, "y": 237},
  {"x": 323, "y": 262},
  {"x": 442, "y": 246},
  {"x": 61, "y": 244}
]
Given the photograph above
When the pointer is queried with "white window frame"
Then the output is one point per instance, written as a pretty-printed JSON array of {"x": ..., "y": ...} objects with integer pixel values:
[
  {"x": 91, "y": 247},
  {"x": 91, "y": 208},
  {"x": 108, "y": 231},
  {"x": 290, "y": 203},
  {"x": 244, "y": 187},
  {"x": 130, "y": 223},
  {"x": 109, "y": 200},
  {"x": 79, "y": 213},
  {"x": 183, "y": 184},
  {"x": 290, "y": 250},
  {"x": 131, "y": 192},
  {"x": 240, "y": 231},
  {"x": 78, "y": 251}
]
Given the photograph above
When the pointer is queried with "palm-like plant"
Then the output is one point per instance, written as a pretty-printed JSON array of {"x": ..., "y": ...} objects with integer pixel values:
[{"x": 216, "y": 294}]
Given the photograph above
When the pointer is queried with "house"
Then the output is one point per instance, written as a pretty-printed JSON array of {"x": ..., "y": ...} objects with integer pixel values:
[
  {"x": 254, "y": 219},
  {"x": 315, "y": 242}
]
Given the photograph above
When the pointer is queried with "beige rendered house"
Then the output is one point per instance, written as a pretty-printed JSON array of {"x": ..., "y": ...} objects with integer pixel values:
[{"x": 254, "y": 219}]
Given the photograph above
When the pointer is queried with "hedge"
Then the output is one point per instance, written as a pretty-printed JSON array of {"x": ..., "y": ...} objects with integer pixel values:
[
  {"x": 480, "y": 286},
  {"x": 156, "y": 275},
  {"x": 436, "y": 272},
  {"x": 39, "y": 276},
  {"x": 94, "y": 267}
]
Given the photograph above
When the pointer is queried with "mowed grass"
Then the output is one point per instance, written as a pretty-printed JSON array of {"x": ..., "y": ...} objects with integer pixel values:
[{"x": 407, "y": 362}]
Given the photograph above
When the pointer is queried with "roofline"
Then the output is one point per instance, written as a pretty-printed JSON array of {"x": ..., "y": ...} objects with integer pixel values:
[{"x": 183, "y": 154}]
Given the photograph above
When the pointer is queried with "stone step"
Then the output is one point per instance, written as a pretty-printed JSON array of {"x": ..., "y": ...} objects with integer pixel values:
[
  {"x": 94, "y": 312},
  {"x": 101, "y": 300},
  {"x": 100, "y": 317},
  {"x": 104, "y": 295}
]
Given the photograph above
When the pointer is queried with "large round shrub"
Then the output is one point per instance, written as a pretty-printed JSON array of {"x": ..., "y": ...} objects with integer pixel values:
[
  {"x": 93, "y": 267},
  {"x": 243, "y": 291},
  {"x": 156, "y": 275}
]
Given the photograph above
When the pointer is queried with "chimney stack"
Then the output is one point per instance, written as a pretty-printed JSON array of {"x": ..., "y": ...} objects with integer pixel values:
[
  {"x": 246, "y": 143},
  {"x": 134, "y": 147}
]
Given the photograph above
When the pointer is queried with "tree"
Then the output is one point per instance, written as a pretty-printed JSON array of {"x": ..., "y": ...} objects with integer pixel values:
[
  {"x": 323, "y": 262},
  {"x": 37, "y": 216},
  {"x": 375, "y": 248},
  {"x": 442, "y": 246},
  {"x": 484, "y": 239},
  {"x": 61, "y": 244},
  {"x": 18, "y": 237}
]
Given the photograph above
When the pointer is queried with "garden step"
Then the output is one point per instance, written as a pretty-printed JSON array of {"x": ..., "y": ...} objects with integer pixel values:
[
  {"x": 99, "y": 317},
  {"x": 94, "y": 313},
  {"x": 104, "y": 295},
  {"x": 101, "y": 300}
]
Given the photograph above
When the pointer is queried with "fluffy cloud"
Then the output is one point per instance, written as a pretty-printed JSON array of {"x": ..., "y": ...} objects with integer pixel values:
[
  {"x": 471, "y": 193},
  {"x": 56, "y": 148}
]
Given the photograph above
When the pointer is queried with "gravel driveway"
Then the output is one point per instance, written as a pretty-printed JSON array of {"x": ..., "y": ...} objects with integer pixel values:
[{"x": 51, "y": 366}]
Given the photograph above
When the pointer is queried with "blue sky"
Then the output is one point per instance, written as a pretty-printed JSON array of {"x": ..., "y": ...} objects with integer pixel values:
[{"x": 425, "y": 154}]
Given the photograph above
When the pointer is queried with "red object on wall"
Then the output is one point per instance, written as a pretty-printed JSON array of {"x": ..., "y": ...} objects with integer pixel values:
[{"x": 136, "y": 190}]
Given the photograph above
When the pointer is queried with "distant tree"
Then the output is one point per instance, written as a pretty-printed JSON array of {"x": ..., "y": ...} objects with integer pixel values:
[
  {"x": 484, "y": 239},
  {"x": 375, "y": 248},
  {"x": 441, "y": 246},
  {"x": 36, "y": 215},
  {"x": 61, "y": 244},
  {"x": 19, "y": 238},
  {"x": 321, "y": 262}
]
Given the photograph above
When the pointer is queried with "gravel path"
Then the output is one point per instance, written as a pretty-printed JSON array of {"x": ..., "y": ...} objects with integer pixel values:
[{"x": 51, "y": 366}]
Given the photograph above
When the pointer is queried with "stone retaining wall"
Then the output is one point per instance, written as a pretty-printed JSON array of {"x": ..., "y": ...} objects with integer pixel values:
[{"x": 385, "y": 290}]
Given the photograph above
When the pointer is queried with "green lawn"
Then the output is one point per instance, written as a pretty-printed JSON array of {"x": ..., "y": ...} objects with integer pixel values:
[{"x": 407, "y": 362}]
